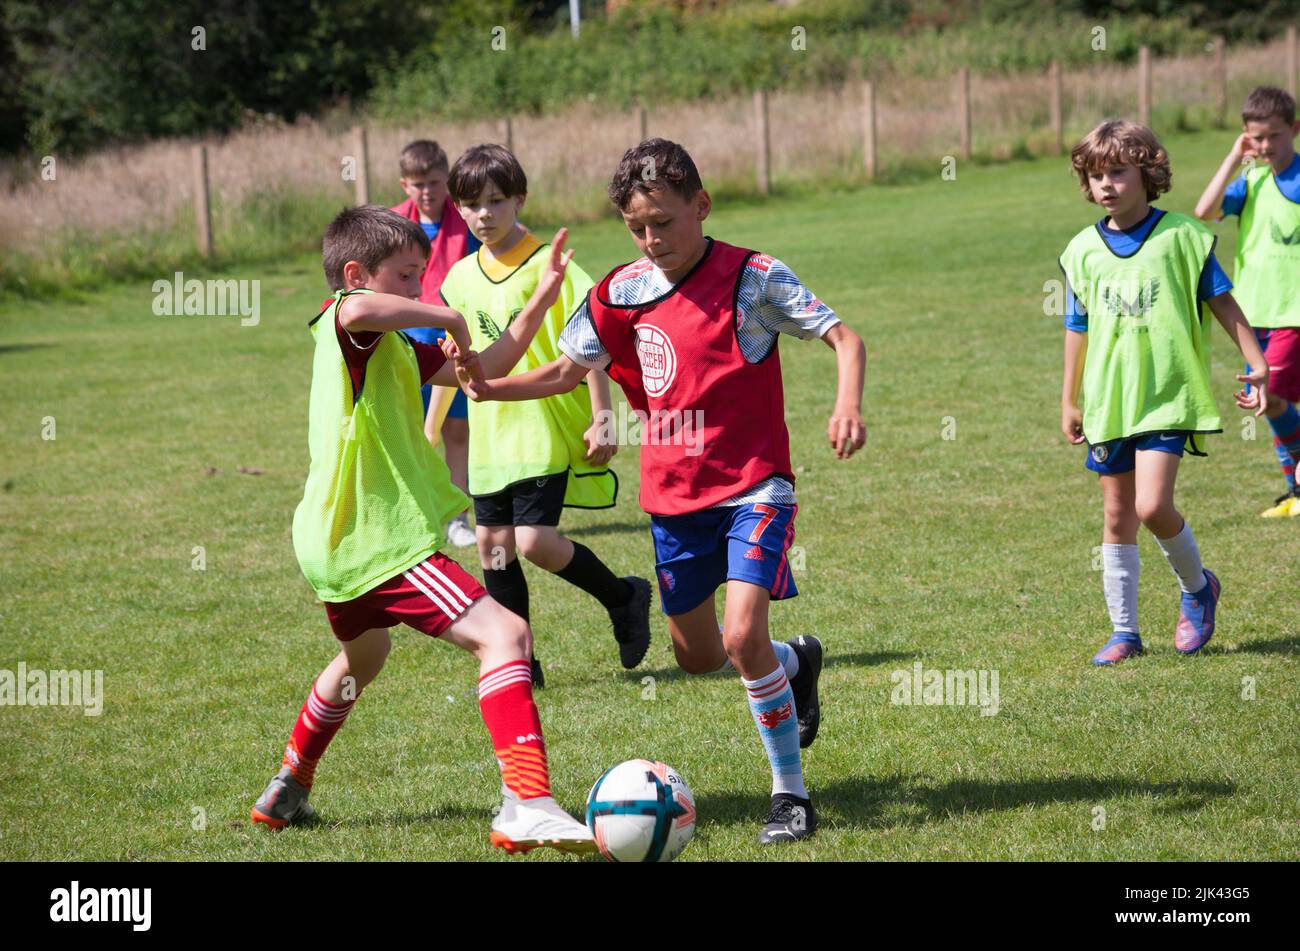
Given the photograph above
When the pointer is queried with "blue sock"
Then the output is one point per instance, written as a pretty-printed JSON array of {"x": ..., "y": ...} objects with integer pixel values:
[
  {"x": 786, "y": 657},
  {"x": 771, "y": 700},
  {"x": 1286, "y": 440}
]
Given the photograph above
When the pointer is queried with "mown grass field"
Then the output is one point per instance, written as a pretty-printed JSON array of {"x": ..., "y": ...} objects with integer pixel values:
[{"x": 975, "y": 552}]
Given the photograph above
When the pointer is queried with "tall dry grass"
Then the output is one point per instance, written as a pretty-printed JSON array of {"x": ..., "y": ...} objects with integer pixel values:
[{"x": 289, "y": 177}]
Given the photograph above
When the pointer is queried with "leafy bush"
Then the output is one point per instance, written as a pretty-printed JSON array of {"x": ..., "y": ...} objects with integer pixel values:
[{"x": 655, "y": 55}]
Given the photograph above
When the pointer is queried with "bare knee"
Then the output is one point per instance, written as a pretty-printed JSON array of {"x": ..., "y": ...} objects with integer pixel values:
[
  {"x": 529, "y": 545},
  {"x": 743, "y": 647},
  {"x": 1120, "y": 520},
  {"x": 544, "y": 547},
  {"x": 696, "y": 662},
  {"x": 455, "y": 432},
  {"x": 496, "y": 546},
  {"x": 1151, "y": 509},
  {"x": 364, "y": 668},
  {"x": 515, "y": 634}
]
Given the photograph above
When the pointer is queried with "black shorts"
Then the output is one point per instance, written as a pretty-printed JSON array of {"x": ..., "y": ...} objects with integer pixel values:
[{"x": 527, "y": 502}]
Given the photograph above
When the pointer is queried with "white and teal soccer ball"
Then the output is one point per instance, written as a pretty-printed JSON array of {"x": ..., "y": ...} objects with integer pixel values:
[{"x": 641, "y": 811}]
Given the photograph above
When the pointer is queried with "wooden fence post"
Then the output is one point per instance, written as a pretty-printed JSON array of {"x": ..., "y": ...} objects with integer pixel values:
[
  {"x": 869, "y": 128},
  {"x": 1058, "y": 116},
  {"x": 1220, "y": 84},
  {"x": 363, "y": 165},
  {"x": 1291, "y": 60},
  {"x": 202, "y": 202},
  {"x": 643, "y": 124},
  {"x": 764, "y": 143},
  {"x": 963, "y": 108},
  {"x": 508, "y": 133},
  {"x": 1144, "y": 86}
]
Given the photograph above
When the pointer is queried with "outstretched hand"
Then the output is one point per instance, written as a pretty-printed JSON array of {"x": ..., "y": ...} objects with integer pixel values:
[
  {"x": 450, "y": 349},
  {"x": 469, "y": 370},
  {"x": 552, "y": 277},
  {"x": 1254, "y": 395}
]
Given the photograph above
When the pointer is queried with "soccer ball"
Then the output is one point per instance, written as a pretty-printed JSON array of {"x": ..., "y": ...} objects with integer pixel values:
[{"x": 641, "y": 811}]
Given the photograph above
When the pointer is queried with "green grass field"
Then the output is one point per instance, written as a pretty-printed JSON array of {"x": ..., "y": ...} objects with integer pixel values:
[{"x": 975, "y": 552}]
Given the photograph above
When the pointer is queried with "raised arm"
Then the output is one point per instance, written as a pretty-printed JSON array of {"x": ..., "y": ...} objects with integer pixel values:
[
  {"x": 381, "y": 312},
  {"x": 558, "y": 376},
  {"x": 1210, "y": 205},
  {"x": 500, "y": 358},
  {"x": 846, "y": 430}
]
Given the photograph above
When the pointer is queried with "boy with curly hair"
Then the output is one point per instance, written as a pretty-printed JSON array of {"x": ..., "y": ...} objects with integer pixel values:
[{"x": 1137, "y": 341}]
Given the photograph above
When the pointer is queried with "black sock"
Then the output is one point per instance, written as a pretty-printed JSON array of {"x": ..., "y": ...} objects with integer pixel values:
[
  {"x": 589, "y": 573},
  {"x": 508, "y": 587}
]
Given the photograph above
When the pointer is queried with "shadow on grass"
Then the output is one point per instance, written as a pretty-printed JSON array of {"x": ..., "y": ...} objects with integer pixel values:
[
  {"x": 909, "y": 802},
  {"x": 400, "y": 819},
  {"x": 20, "y": 347},
  {"x": 834, "y": 660},
  {"x": 1279, "y": 645}
]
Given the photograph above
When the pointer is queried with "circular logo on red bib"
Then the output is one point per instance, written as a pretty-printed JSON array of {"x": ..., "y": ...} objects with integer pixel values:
[{"x": 658, "y": 359}]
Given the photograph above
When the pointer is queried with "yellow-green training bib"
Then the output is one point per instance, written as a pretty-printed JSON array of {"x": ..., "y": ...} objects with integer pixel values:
[
  {"x": 513, "y": 441},
  {"x": 1147, "y": 367},
  {"x": 378, "y": 497},
  {"x": 1266, "y": 275}
]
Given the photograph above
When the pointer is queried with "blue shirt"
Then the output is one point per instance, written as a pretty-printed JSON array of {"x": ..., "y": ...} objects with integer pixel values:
[
  {"x": 434, "y": 334},
  {"x": 1125, "y": 244},
  {"x": 1288, "y": 183},
  {"x": 433, "y": 227}
]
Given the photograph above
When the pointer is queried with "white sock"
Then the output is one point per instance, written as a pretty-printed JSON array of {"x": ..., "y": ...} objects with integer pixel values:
[
  {"x": 1119, "y": 580},
  {"x": 1185, "y": 558}
]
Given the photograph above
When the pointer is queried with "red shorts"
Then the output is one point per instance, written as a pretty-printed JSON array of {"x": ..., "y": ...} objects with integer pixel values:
[
  {"x": 429, "y": 597},
  {"x": 1281, "y": 346}
]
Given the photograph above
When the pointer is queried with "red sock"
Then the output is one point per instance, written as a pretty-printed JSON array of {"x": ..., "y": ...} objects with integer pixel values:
[
  {"x": 505, "y": 698},
  {"x": 318, "y": 721}
]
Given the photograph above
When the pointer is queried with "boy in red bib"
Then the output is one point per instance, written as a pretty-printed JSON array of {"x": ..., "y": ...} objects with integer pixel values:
[
  {"x": 690, "y": 332},
  {"x": 428, "y": 203}
]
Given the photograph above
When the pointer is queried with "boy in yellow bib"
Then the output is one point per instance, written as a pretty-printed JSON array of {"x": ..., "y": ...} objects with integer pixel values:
[
  {"x": 529, "y": 460},
  {"x": 1136, "y": 337},
  {"x": 1266, "y": 199},
  {"x": 371, "y": 520}
]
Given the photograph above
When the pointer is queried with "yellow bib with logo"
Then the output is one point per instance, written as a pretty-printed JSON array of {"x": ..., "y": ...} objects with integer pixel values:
[
  {"x": 1266, "y": 274},
  {"x": 1147, "y": 367},
  {"x": 513, "y": 441}
]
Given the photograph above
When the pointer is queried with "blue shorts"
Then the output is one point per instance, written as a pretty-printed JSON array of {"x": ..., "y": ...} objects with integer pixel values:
[
  {"x": 698, "y": 552},
  {"x": 459, "y": 403},
  {"x": 1119, "y": 455}
]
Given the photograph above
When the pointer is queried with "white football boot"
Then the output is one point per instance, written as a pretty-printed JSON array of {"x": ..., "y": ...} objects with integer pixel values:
[
  {"x": 526, "y": 824},
  {"x": 459, "y": 533}
]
